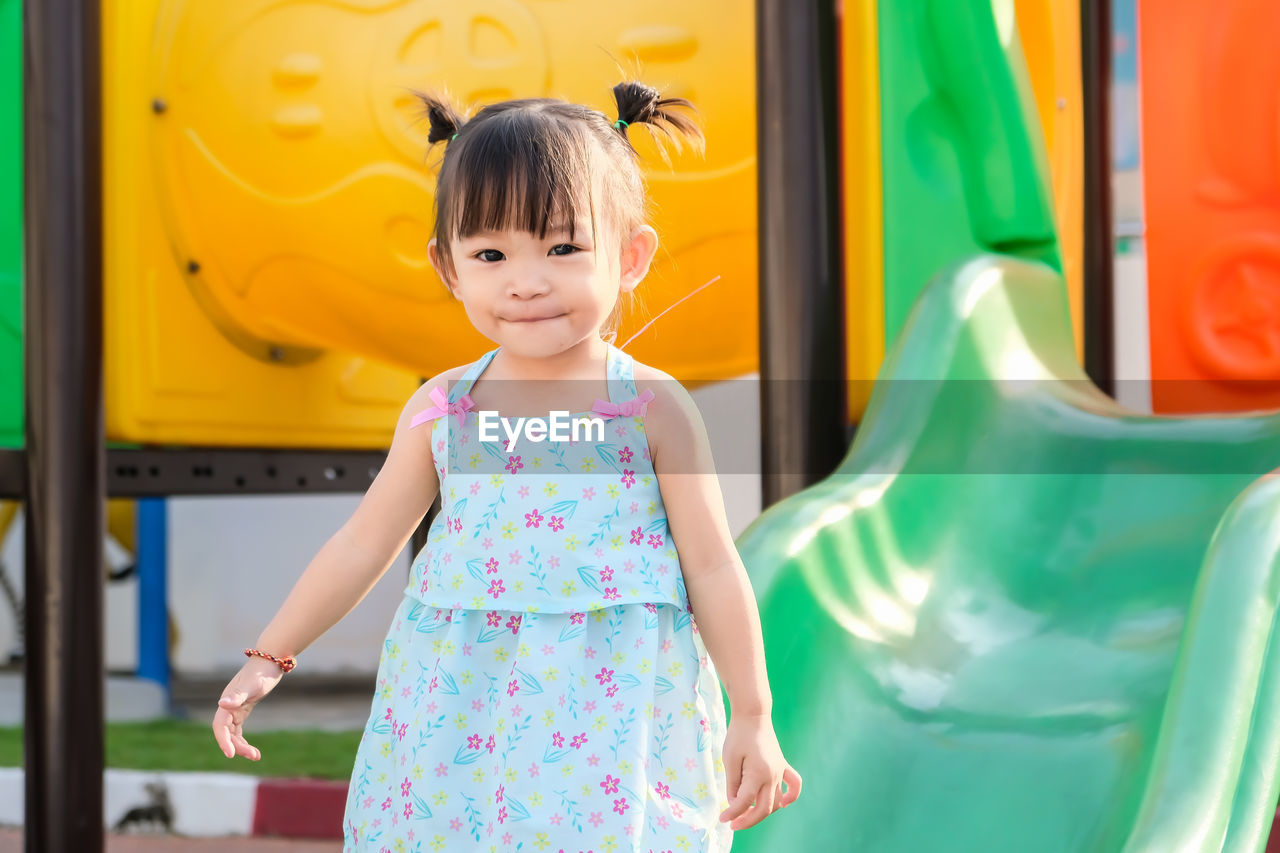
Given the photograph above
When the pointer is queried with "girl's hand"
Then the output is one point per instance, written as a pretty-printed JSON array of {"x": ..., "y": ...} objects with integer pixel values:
[
  {"x": 252, "y": 683},
  {"x": 755, "y": 770}
]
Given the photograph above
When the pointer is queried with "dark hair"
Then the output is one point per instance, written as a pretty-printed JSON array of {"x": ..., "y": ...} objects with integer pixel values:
[{"x": 524, "y": 163}]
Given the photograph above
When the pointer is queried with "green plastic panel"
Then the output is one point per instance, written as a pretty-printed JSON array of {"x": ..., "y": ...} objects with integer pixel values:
[
  {"x": 963, "y": 162},
  {"x": 1019, "y": 617},
  {"x": 11, "y": 405}
]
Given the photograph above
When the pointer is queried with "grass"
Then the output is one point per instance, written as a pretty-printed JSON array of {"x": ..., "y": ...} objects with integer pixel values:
[{"x": 189, "y": 745}]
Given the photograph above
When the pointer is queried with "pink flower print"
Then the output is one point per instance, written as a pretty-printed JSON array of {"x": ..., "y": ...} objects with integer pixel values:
[
  {"x": 490, "y": 744},
  {"x": 512, "y": 687},
  {"x": 556, "y": 523},
  {"x": 368, "y": 801},
  {"x": 557, "y": 739},
  {"x": 706, "y": 726},
  {"x": 474, "y": 741},
  {"x": 502, "y": 814},
  {"x": 606, "y": 574},
  {"x": 599, "y": 553},
  {"x": 612, "y": 691},
  {"x": 637, "y": 536},
  {"x": 455, "y": 824},
  {"x": 557, "y": 818},
  {"x": 604, "y": 675},
  {"x": 596, "y": 819},
  {"x": 514, "y": 622},
  {"x": 548, "y": 649},
  {"x": 628, "y": 477},
  {"x": 663, "y": 790},
  {"x": 593, "y": 760},
  {"x": 620, "y": 430},
  {"x": 439, "y": 447},
  {"x": 387, "y": 716},
  {"x": 435, "y": 682},
  {"x": 625, "y": 454},
  {"x": 655, "y": 540},
  {"x": 574, "y": 619},
  {"x": 514, "y": 464},
  {"x": 501, "y": 790},
  {"x": 402, "y": 731},
  {"x": 578, "y": 740},
  {"x": 588, "y": 652},
  {"x": 496, "y": 587},
  {"x": 442, "y": 769},
  {"x": 610, "y": 784},
  {"x": 475, "y": 488},
  {"x": 426, "y": 584},
  {"x": 651, "y": 607},
  {"x": 588, "y": 493},
  {"x": 493, "y": 618},
  {"x": 635, "y": 507},
  {"x": 491, "y": 566},
  {"x": 457, "y": 526},
  {"x": 523, "y": 491},
  {"x": 534, "y": 769},
  {"x": 386, "y": 804},
  {"x": 646, "y": 453},
  {"x": 533, "y": 519},
  {"x": 620, "y": 806},
  {"x": 408, "y": 809},
  {"x": 487, "y": 543},
  {"x": 611, "y": 593},
  {"x": 589, "y": 707},
  {"x": 553, "y": 561},
  {"x": 405, "y": 787},
  {"x": 514, "y": 558}
]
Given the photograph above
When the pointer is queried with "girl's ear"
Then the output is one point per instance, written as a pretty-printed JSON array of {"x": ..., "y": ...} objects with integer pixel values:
[
  {"x": 637, "y": 254},
  {"x": 433, "y": 255}
]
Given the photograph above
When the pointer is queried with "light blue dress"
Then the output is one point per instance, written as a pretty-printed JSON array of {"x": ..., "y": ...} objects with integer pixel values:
[{"x": 543, "y": 685}]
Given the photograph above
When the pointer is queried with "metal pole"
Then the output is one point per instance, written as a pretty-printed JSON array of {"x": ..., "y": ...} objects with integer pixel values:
[
  {"x": 1099, "y": 241},
  {"x": 153, "y": 591},
  {"x": 801, "y": 335},
  {"x": 64, "y": 430}
]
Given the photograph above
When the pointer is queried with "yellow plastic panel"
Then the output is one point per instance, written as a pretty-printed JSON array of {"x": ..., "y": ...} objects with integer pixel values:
[
  {"x": 1050, "y": 34},
  {"x": 269, "y": 223},
  {"x": 861, "y": 209}
]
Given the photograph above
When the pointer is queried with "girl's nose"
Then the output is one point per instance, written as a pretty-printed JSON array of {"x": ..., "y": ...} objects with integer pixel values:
[{"x": 526, "y": 282}]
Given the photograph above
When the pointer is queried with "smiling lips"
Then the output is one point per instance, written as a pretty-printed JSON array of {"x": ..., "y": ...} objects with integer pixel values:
[{"x": 532, "y": 319}]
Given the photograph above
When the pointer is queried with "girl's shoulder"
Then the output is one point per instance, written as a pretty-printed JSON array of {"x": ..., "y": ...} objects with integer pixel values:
[
  {"x": 671, "y": 417},
  {"x": 422, "y": 397}
]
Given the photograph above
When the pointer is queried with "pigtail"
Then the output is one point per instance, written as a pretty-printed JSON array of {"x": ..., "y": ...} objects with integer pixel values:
[
  {"x": 641, "y": 104},
  {"x": 445, "y": 121}
]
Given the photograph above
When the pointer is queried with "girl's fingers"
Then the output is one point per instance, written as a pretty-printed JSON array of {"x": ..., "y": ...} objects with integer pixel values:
[
  {"x": 758, "y": 812},
  {"x": 739, "y": 803},
  {"x": 243, "y": 748},
  {"x": 793, "y": 781},
  {"x": 777, "y": 797},
  {"x": 222, "y": 732}
]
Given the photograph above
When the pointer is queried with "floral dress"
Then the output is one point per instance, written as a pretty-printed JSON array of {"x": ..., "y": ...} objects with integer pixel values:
[{"x": 543, "y": 685}]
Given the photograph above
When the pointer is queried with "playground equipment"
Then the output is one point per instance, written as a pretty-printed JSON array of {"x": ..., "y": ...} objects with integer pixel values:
[{"x": 1019, "y": 617}]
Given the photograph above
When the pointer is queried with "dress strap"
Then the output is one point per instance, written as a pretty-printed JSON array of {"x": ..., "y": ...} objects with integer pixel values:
[
  {"x": 463, "y": 385},
  {"x": 620, "y": 372}
]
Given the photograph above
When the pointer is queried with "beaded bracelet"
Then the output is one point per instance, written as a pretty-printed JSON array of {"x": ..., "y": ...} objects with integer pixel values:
[{"x": 285, "y": 664}]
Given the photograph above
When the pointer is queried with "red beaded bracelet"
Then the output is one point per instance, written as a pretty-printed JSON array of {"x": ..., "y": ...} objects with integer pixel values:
[{"x": 285, "y": 664}]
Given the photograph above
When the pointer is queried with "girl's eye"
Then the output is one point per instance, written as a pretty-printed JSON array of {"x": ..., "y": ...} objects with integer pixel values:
[
  {"x": 489, "y": 255},
  {"x": 569, "y": 249}
]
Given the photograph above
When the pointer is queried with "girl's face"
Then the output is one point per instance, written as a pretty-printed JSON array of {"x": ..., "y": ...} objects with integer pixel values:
[{"x": 537, "y": 297}]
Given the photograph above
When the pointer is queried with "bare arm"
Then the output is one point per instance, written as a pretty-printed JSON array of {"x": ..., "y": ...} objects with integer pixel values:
[
  {"x": 720, "y": 593},
  {"x": 360, "y": 552}
]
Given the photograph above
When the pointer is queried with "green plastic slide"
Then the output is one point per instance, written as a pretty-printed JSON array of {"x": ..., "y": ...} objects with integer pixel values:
[{"x": 1020, "y": 617}]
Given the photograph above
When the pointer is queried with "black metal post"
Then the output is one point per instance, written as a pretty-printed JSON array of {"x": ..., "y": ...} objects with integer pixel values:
[
  {"x": 1099, "y": 237},
  {"x": 801, "y": 332},
  {"x": 64, "y": 428}
]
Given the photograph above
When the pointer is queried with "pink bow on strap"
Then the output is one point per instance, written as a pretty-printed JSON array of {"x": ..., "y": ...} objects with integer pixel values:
[
  {"x": 443, "y": 407},
  {"x": 635, "y": 407}
]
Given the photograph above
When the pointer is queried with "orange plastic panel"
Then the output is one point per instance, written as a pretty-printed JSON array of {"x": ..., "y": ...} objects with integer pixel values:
[
  {"x": 862, "y": 208},
  {"x": 268, "y": 204},
  {"x": 1210, "y": 76}
]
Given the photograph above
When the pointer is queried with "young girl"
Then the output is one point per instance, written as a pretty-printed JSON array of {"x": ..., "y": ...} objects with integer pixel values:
[{"x": 548, "y": 680}]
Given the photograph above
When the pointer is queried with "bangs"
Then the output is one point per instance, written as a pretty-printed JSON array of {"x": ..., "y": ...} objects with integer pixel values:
[{"x": 524, "y": 172}]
